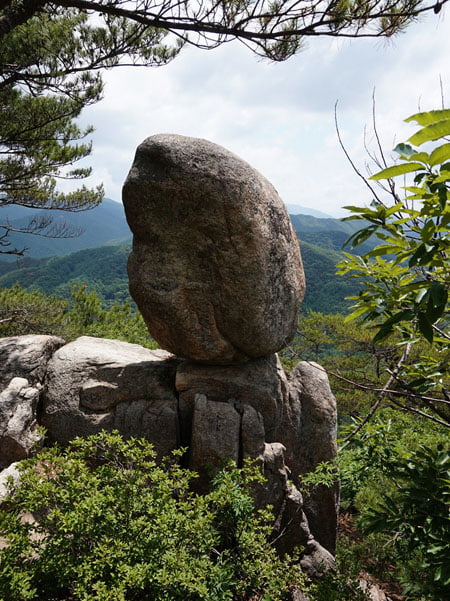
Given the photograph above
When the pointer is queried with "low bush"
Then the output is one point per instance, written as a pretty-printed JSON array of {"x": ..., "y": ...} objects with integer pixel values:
[{"x": 113, "y": 525}]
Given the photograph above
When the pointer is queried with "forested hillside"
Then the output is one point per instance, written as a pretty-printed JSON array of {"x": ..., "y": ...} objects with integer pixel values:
[{"x": 103, "y": 267}]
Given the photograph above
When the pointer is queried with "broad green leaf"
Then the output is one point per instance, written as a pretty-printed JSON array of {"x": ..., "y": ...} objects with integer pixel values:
[
  {"x": 405, "y": 315},
  {"x": 428, "y": 117},
  {"x": 444, "y": 177},
  {"x": 419, "y": 177},
  {"x": 423, "y": 157},
  {"x": 431, "y": 132},
  {"x": 440, "y": 155},
  {"x": 439, "y": 293},
  {"x": 418, "y": 254},
  {"x": 413, "y": 189},
  {"x": 425, "y": 327},
  {"x": 354, "y": 314},
  {"x": 354, "y": 209},
  {"x": 435, "y": 309},
  {"x": 428, "y": 230},
  {"x": 394, "y": 209},
  {"x": 397, "y": 170},
  {"x": 382, "y": 333},
  {"x": 383, "y": 250},
  {"x": 360, "y": 236}
]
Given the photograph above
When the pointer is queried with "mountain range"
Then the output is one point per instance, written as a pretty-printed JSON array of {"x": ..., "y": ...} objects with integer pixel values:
[{"x": 103, "y": 248}]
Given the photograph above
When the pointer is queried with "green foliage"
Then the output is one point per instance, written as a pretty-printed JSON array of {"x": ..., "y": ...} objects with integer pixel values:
[
  {"x": 39, "y": 137},
  {"x": 103, "y": 269},
  {"x": 384, "y": 473},
  {"x": 87, "y": 318},
  {"x": 337, "y": 587},
  {"x": 23, "y": 312},
  {"x": 410, "y": 287},
  {"x": 112, "y": 524},
  {"x": 406, "y": 278},
  {"x": 417, "y": 516},
  {"x": 50, "y": 59},
  {"x": 325, "y": 291},
  {"x": 325, "y": 474},
  {"x": 357, "y": 368}
]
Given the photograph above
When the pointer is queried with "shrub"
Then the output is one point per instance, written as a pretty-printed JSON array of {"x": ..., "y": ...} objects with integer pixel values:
[
  {"x": 417, "y": 515},
  {"x": 113, "y": 525}
]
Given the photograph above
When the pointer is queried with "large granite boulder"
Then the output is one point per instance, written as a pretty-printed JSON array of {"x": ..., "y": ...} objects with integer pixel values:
[
  {"x": 215, "y": 268},
  {"x": 94, "y": 384}
]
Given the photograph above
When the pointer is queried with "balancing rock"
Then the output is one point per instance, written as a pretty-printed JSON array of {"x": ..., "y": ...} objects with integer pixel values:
[{"x": 215, "y": 267}]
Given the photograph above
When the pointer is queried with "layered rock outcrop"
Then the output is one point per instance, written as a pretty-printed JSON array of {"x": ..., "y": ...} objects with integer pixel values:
[
  {"x": 93, "y": 384},
  {"x": 219, "y": 412},
  {"x": 215, "y": 268}
]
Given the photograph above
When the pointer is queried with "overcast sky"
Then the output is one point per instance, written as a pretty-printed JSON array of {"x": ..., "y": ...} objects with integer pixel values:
[{"x": 278, "y": 117}]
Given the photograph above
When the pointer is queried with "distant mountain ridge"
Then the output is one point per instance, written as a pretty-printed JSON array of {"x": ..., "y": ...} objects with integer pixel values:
[
  {"x": 103, "y": 266},
  {"x": 294, "y": 209},
  {"x": 103, "y": 225},
  {"x": 101, "y": 253}
]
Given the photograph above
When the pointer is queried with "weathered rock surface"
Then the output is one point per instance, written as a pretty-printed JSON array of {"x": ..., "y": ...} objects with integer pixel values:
[
  {"x": 220, "y": 412},
  {"x": 215, "y": 437},
  {"x": 26, "y": 357},
  {"x": 260, "y": 383},
  {"x": 291, "y": 529},
  {"x": 9, "y": 473},
  {"x": 299, "y": 414},
  {"x": 18, "y": 426},
  {"x": 317, "y": 433},
  {"x": 95, "y": 384},
  {"x": 215, "y": 268}
]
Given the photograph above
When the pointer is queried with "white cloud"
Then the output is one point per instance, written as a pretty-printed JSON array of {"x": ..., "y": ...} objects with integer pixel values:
[{"x": 279, "y": 117}]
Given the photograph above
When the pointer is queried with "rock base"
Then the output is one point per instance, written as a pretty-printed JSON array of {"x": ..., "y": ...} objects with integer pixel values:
[{"x": 219, "y": 412}]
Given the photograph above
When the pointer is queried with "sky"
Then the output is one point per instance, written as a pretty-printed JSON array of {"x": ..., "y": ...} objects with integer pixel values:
[{"x": 279, "y": 117}]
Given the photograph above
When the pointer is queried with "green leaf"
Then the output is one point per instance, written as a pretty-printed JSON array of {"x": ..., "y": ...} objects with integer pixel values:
[
  {"x": 428, "y": 230},
  {"x": 439, "y": 293},
  {"x": 353, "y": 209},
  {"x": 382, "y": 250},
  {"x": 425, "y": 327},
  {"x": 423, "y": 157},
  {"x": 405, "y": 315},
  {"x": 382, "y": 333},
  {"x": 440, "y": 155},
  {"x": 444, "y": 177},
  {"x": 397, "y": 170},
  {"x": 431, "y": 132},
  {"x": 360, "y": 236},
  {"x": 418, "y": 254},
  {"x": 428, "y": 117}
]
